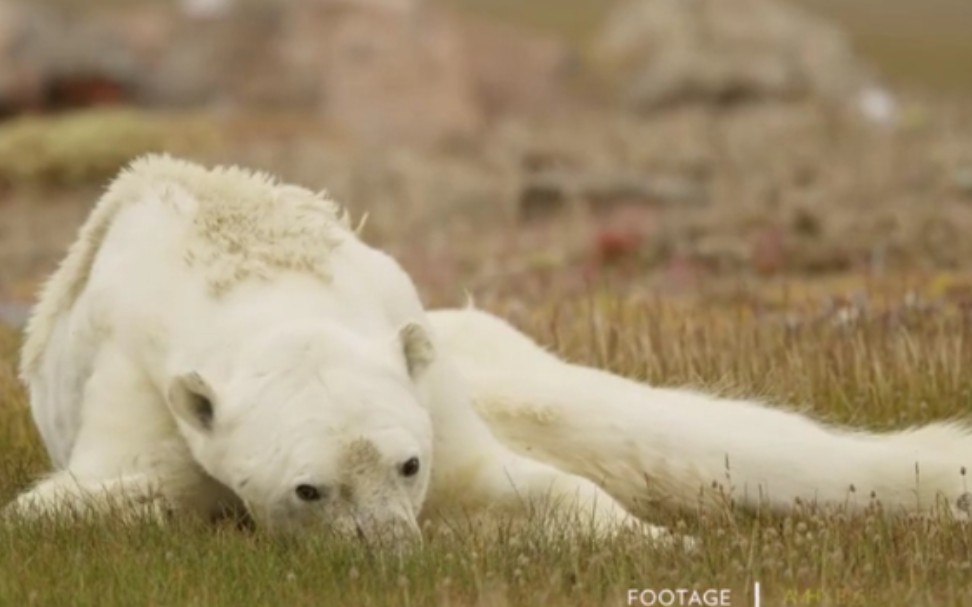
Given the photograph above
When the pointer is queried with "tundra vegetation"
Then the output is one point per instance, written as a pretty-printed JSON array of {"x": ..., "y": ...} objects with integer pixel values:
[
  {"x": 899, "y": 364},
  {"x": 776, "y": 250}
]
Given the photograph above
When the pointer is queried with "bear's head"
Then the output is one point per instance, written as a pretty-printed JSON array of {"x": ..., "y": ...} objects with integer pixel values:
[{"x": 317, "y": 425}]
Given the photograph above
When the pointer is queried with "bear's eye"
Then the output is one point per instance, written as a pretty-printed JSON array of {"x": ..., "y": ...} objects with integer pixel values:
[
  {"x": 410, "y": 467},
  {"x": 309, "y": 493}
]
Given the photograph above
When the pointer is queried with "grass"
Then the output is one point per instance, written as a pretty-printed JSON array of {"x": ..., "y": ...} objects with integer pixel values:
[
  {"x": 881, "y": 357},
  {"x": 888, "y": 361}
]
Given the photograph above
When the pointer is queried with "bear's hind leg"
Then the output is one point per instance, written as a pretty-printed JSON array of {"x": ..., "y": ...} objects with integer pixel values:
[{"x": 473, "y": 472}]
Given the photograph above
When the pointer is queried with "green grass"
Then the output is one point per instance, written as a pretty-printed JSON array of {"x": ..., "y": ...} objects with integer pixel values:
[{"x": 901, "y": 363}]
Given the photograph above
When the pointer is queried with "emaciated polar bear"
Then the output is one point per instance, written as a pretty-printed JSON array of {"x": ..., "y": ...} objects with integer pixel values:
[
  {"x": 659, "y": 446},
  {"x": 215, "y": 341}
]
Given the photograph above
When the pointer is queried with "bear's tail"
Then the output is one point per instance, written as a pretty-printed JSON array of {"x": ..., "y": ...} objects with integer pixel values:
[{"x": 654, "y": 447}]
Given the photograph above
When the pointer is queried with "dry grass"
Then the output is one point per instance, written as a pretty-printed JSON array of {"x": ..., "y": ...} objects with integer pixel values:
[
  {"x": 890, "y": 360},
  {"x": 790, "y": 192}
]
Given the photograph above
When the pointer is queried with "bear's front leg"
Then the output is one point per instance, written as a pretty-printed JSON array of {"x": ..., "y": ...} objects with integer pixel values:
[{"x": 132, "y": 497}]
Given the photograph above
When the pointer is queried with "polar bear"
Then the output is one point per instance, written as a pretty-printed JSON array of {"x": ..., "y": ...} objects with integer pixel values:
[
  {"x": 217, "y": 342},
  {"x": 660, "y": 447}
]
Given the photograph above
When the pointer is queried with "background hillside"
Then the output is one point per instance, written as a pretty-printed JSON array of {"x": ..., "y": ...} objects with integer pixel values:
[{"x": 745, "y": 196}]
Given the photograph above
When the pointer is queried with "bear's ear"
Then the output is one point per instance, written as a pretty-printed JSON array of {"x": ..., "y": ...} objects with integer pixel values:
[
  {"x": 191, "y": 400},
  {"x": 417, "y": 348}
]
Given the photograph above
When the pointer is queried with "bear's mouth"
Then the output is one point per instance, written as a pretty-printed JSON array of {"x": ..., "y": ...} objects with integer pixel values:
[{"x": 233, "y": 514}]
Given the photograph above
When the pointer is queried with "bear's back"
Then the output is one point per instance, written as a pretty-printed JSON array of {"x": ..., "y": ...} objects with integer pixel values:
[{"x": 228, "y": 225}]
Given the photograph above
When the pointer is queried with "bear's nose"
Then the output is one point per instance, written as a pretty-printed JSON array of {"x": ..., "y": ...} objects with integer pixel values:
[{"x": 398, "y": 532}]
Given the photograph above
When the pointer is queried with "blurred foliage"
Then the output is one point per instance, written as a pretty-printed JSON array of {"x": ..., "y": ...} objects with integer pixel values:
[
  {"x": 70, "y": 149},
  {"x": 926, "y": 44},
  {"x": 922, "y": 43},
  {"x": 575, "y": 19}
]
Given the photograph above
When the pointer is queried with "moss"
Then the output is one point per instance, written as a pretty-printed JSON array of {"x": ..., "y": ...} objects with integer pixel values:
[{"x": 92, "y": 145}]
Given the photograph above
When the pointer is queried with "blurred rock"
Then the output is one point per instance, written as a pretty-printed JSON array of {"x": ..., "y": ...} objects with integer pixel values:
[
  {"x": 205, "y": 9},
  {"x": 388, "y": 71},
  {"x": 14, "y": 314},
  {"x": 516, "y": 71},
  {"x": 20, "y": 82},
  {"x": 49, "y": 60},
  {"x": 544, "y": 195},
  {"x": 378, "y": 70},
  {"x": 878, "y": 105},
  {"x": 381, "y": 71},
  {"x": 662, "y": 52},
  {"x": 769, "y": 252},
  {"x": 606, "y": 192},
  {"x": 548, "y": 193},
  {"x": 234, "y": 56},
  {"x": 963, "y": 182}
]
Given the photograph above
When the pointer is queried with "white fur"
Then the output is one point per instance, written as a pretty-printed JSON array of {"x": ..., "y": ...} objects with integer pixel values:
[
  {"x": 659, "y": 446},
  {"x": 214, "y": 340}
]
